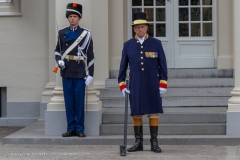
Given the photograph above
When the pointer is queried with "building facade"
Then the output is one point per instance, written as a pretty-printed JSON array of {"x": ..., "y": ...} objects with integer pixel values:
[{"x": 194, "y": 34}]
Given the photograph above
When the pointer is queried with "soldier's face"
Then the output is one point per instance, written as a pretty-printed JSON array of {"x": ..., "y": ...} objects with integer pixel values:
[
  {"x": 73, "y": 20},
  {"x": 140, "y": 29}
]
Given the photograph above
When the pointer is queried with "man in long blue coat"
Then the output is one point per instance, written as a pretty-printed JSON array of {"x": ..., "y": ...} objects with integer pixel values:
[
  {"x": 148, "y": 80},
  {"x": 74, "y": 55}
]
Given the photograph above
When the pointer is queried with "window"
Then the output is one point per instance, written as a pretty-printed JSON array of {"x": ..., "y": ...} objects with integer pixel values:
[
  {"x": 10, "y": 7},
  {"x": 156, "y": 15},
  {"x": 195, "y": 18},
  {"x": 5, "y": 0}
]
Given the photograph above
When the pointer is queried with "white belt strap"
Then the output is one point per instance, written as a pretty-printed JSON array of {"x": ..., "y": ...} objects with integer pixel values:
[{"x": 78, "y": 40}]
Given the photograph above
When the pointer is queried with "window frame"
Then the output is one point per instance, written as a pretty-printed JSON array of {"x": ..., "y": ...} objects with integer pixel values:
[{"x": 10, "y": 8}]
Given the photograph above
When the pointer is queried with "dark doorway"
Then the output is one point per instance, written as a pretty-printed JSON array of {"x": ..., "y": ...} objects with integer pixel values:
[
  {"x": 0, "y": 102},
  {"x": 3, "y": 101}
]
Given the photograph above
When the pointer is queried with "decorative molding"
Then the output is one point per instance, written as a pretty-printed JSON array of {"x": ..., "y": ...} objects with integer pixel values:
[{"x": 99, "y": 84}]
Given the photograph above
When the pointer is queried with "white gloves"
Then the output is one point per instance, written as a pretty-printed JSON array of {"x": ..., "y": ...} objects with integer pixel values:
[
  {"x": 61, "y": 64},
  {"x": 124, "y": 91},
  {"x": 88, "y": 80},
  {"x": 162, "y": 91}
]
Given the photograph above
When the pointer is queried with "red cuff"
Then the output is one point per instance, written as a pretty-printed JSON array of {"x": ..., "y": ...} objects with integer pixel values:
[
  {"x": 163, "y": 84},
  {"x": 122, "y": 85}
]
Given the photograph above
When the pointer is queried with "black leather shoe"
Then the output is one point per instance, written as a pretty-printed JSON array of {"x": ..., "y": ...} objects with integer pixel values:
[
  {"x": 81, "y": 134},
  {"x": 69, "y": 134}
]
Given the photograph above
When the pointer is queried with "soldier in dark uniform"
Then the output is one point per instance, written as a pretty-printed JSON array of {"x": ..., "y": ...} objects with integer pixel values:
[
  {"x": 76, "y": 68},
  {"x": 148, "y": 80}
]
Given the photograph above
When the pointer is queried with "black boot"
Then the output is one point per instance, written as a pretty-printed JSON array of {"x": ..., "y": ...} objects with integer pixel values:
[
  {"x": 138, "y": 145},
  {"x": 153, "y": 140}
]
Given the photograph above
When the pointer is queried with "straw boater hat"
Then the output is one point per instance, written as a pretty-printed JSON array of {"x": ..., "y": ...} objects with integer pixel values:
[
  {"x": 74, "y": 8},
  {"x": 139, "y": 18}
]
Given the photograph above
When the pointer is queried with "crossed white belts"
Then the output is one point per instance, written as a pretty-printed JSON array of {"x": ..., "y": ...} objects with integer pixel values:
[{"x": 81, "y": 55}]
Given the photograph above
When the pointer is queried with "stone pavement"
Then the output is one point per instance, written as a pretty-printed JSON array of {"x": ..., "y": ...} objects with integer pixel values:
[{"x": 110, "y": 152}]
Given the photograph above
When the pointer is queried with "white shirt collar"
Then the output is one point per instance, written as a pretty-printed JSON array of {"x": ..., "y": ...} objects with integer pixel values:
[{"x": 141, "y": 40}]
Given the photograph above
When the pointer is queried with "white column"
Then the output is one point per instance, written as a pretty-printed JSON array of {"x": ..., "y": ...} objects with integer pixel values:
[
  {"x": 100, "y": 41},
  {"x": 233, "y": 112},
  {"x": 225, "y": 40},
  {"x": 57, "y": 10},
  {"x": 116, "y": 18},
  {"x": 48, "y": 93}
]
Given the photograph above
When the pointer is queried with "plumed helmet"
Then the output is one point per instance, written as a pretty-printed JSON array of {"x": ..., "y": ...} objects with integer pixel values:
[{"x": 74, "y": 8}]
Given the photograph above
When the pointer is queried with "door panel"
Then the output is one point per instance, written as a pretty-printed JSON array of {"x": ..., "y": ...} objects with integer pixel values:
[{"x": 194, "y": 34}]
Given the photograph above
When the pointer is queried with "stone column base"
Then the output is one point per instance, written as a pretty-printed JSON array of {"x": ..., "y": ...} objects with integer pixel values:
[
  {"x": 43, "y": 108},
  {"x": 46, "y": 96},
  {"x": 56, "y": 124},
  {"x": 233, "y": 125}
]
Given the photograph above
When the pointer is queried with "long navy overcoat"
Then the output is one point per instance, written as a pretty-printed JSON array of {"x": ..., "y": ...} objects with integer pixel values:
[{"x": 145, "y": 74}]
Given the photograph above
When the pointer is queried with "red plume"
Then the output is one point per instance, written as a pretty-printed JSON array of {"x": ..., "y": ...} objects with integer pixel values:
[{"x": 74, "y": 5}]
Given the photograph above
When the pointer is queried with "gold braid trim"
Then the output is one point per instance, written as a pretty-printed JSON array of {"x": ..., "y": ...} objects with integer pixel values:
[
  {"x": 146, "y": 37},
  {"x": 163, "y": 81},
  {"x": 121, "y": 83}
]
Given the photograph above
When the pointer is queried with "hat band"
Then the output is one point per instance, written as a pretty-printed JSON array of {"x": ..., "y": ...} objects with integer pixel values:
[
  {"x": 74, "y": 11},
  {"x": 141, "y": 21}
]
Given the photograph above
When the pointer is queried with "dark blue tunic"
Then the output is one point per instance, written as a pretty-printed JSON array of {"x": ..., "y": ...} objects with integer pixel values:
[
  {"x": 145, "y": 74},
  {"x": 73, "y": 69}
]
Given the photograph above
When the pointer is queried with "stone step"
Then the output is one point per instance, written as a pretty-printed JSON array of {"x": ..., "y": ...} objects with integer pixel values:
[
  {"x": 34, "y": 134},
  {"x": 17, "y": 121},
  {"x": 190, "y": 73},
  {"x": 34, "y": 138},
  {"x": 168, "y": 129},
  {"x": 174, "y": 102},
  {"x": 186, "y": 83},
  {"x": 178, "y": 92},
  {"x": 183, "y": 115}
]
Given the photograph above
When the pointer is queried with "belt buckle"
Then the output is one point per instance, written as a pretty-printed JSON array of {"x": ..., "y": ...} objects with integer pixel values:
[{"x": 71, "y": 57}]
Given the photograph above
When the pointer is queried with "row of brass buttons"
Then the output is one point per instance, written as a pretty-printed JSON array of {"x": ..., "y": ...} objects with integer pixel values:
[{"x": 142, "y": 58}]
